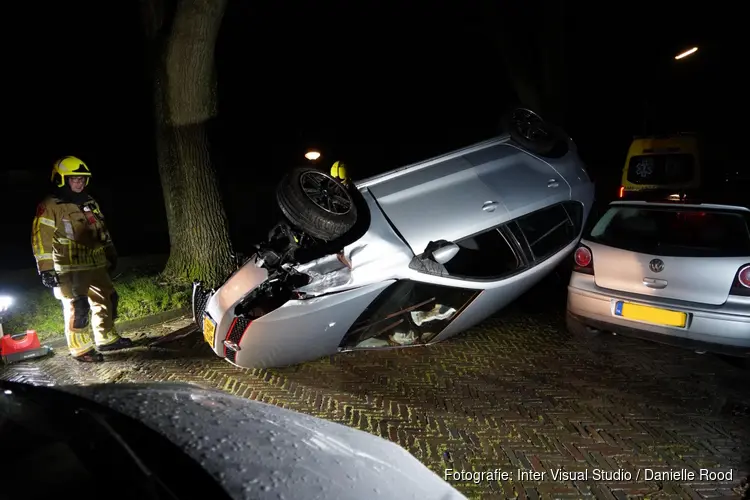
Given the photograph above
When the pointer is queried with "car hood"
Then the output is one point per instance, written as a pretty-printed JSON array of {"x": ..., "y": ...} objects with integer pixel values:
[{"x": 256, "y": 450}]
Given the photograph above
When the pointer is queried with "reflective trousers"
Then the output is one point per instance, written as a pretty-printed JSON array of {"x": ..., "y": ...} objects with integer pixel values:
[{"x": 85, "y": 293}]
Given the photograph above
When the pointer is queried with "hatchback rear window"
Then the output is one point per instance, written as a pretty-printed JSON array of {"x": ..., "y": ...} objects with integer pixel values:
[
  {"x": 678, "y": 231},
  {"x": 661, "y": 169}
]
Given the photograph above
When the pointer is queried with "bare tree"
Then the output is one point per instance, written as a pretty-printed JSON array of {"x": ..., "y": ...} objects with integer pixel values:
[
  {"x": 182, "y": 38},
  {"x": 551, "y": 45},
  {"x": 531, "y": 45}
]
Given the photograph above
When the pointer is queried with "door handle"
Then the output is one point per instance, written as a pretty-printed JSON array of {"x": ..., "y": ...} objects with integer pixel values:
[
  {"x": 489, "y": 206},
  {"x": 552, "y": 183},
  {"x": 655, "y": 283}
]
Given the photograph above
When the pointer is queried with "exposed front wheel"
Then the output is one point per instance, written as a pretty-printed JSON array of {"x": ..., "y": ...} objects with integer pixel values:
[
  {"x": 532, "y": 132},
  {"x": 316, "y": 203}
]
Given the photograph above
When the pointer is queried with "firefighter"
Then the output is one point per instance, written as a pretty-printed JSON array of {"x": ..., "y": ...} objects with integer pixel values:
[
  {"x": 338, "y": 172},
  {"x": 75, "y": 256}
]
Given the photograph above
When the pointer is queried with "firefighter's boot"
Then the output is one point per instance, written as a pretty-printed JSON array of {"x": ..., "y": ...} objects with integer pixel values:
[
  {"x": 90, "y": 357},
  {"x": 120, "y": 343}
]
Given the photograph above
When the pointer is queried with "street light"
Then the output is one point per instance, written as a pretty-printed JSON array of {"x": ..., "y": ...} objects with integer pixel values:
[
  {"x": 686, "y": 53},
  {"x": 681, "y": 55},
  {"x": 312, "y": 155}
]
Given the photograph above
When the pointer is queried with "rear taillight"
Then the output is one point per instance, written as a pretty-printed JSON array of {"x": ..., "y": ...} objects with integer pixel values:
[
  {"x": 621, "y": 193},
  {"x": 584, "y": 261},
  {"x": 741, "y": 285}
]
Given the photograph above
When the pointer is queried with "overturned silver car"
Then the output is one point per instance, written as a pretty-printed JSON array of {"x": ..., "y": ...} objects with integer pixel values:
[{"x": 410, "y": 257}]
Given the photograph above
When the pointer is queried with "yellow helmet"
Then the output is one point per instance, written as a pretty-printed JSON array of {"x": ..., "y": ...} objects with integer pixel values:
[
  {"x": 338, "y": 172},
  {"x": 69, "y": 166}
]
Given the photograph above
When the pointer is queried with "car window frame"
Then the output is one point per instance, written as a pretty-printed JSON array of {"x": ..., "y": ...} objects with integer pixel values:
[
  {"x": 521, "y": 248},
  {"x": 512, "y": 243},
  {"x": 577, "y": 229}
]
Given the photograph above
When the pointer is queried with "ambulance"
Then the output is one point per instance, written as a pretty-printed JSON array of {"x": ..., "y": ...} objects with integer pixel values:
[{"x": 668, "y": 164}]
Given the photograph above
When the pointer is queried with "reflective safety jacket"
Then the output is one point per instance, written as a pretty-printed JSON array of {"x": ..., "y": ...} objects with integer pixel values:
[{"x": 67, "y": 237}]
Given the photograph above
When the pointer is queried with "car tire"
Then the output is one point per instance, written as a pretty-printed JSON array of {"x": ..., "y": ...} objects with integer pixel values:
[
  {"x": 532, "y": 132},
  {"x": 579, "y": 330},
  {"x": 325, "y": 215}
]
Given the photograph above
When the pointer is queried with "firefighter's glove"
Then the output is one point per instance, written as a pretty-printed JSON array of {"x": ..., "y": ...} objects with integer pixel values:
[{"x": 50, "y": 279}]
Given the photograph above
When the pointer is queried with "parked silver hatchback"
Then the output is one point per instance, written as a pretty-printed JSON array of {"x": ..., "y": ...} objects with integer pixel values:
[{"x": 673, "y": 273}]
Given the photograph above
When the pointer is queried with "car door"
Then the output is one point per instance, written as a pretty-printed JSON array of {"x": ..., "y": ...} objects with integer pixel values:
[
  {"x": 441, "y": 199},
  {"x": 524, "y": 182}
]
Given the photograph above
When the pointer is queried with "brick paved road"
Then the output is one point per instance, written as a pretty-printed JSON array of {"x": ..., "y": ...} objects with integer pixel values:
[{"x": 514, "y": 393}]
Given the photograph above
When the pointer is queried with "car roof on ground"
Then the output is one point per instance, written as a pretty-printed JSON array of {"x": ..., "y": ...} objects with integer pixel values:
[{"x": 715, "y": 206}]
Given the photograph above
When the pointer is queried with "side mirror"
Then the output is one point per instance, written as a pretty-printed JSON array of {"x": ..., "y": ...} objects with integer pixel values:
[{"x": 441, "y": 251}]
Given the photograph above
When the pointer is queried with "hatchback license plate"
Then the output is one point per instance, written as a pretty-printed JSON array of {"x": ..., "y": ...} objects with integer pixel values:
[
  {"x": 654, "y": 315},
  {"x": 209, "y": 330}
]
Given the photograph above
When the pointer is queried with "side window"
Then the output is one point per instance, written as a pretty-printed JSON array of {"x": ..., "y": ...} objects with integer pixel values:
[
  {"x": 547, "y": 231},
  {"x": 408, "y": 313},
  {"x": 484, "y": 256},
  {"x": 520, "y": 238}
]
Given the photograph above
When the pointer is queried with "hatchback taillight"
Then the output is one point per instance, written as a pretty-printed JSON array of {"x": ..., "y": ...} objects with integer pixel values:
[
  {"x": 741, "y": 285},
  {"x": 584, "y": 260}
]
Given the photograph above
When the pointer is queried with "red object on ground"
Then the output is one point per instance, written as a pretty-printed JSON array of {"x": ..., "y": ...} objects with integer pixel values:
[{"x": 9, "y": 345}]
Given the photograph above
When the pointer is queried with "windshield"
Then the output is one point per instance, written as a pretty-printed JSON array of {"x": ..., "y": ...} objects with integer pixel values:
[
  {"x": 661, "y": 169},
  {"x": 675, "y": 231}
]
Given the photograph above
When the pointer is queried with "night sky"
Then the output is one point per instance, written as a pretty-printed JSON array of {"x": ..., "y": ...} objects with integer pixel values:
[{"x": 378, "y": 87}]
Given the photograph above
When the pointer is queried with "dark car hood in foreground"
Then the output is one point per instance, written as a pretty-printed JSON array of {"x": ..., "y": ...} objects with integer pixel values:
[{"x": 256, "y": 450}]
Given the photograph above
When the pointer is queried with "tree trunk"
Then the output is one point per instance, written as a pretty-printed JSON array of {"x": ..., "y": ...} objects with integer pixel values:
[
  {"x": 551, "y": 37},
  {"x": 530, "y": 42},
  {"x": 505, "y": 28},
  {"x": 185, "y": 102},
  {"x": 156, "y": 30}
]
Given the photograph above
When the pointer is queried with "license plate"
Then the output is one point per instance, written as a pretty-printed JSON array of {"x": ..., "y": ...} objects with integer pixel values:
[
  {"x": 650, "y": 314},
  {"x": 209, "y": 330}
]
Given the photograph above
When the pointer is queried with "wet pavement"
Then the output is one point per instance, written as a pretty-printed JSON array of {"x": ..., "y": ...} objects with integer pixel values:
[{"x": 513, "y": 394}]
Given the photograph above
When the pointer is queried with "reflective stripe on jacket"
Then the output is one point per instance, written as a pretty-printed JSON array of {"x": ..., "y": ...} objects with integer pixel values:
[{"x": 68, "y": 237}]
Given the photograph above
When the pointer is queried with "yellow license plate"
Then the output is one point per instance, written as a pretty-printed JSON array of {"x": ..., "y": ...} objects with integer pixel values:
[
  {"x": 650, "y": 314},
  {"x": 209, "y": 330}
]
